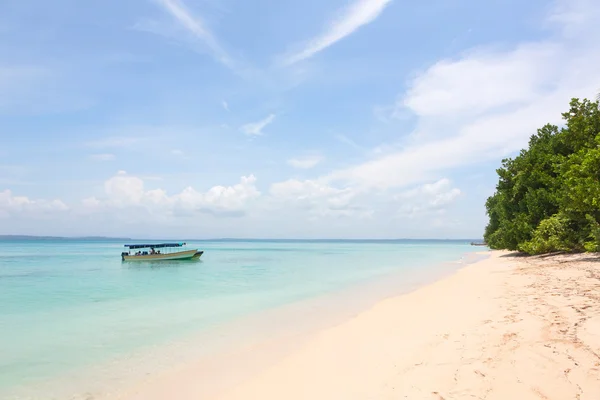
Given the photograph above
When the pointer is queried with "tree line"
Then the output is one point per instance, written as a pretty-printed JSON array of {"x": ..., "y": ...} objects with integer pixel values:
[{"x": 548, "y": 197}]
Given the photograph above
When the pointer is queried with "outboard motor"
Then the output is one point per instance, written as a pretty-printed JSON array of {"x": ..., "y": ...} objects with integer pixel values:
[{"x": 123, "y": 254}]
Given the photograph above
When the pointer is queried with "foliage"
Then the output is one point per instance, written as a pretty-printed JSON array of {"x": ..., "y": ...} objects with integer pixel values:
[
  {"x": 552, "y": 234},
  {"x": 548, "y": 197},
  {"x": 594, "y": 243}
]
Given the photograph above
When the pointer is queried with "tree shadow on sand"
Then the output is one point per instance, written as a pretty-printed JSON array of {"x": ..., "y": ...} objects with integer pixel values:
[
  {"x": 515, "y": 254},
  {"x": 583, "y": 257}
]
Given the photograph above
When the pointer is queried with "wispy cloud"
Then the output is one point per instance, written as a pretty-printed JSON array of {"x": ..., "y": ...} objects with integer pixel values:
[
  {"x": 359, "y": 13},
  {"x": 180, "y": 154},
  {"x": 346, "y": 140},
  {"x": 102, "y": 157},
  {"x": 305, "y": 162},
  {"x": 486, "y": 104},
  {"x": 191, "y": 23},
  {"x": 225, "y": 105},
  {"x": 255, "y": 128}
]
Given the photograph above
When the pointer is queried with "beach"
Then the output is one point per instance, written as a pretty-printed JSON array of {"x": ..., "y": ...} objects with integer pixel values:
[{"x": 505, "y": 327}]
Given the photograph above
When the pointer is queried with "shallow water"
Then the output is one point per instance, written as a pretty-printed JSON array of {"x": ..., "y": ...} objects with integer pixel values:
[{"x": 71, "y": 305}]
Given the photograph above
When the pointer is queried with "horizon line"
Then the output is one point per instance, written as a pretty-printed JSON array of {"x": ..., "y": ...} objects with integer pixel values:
[{"x": 223, "y": 238}]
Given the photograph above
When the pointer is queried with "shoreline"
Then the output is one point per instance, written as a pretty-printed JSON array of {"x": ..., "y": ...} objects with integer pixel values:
[
  {"x": 488, "y": 329},
  {"x": 273, "y": 334},
  {"x": 278, "y": 331}
]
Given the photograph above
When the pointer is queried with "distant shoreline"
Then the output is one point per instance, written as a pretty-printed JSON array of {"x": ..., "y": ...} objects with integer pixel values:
[
  {"x": 99, "y": 238},
  {"x": 32, "y": 237}
]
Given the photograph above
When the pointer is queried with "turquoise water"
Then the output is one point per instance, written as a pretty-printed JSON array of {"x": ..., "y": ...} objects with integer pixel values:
[{"x": 67, "y": 305}]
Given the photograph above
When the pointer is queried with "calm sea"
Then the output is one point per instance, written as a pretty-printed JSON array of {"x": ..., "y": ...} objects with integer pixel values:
[{"x": 67, "y": 305}]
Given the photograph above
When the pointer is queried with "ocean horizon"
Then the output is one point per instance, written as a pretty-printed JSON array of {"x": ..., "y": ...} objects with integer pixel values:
[
  {"x": 225, "y": 239},
  {"x": 72, "y": 304}
]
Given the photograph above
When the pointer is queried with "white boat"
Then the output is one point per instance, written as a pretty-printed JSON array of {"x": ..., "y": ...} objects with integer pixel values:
[{"x": 159, "y": 252}]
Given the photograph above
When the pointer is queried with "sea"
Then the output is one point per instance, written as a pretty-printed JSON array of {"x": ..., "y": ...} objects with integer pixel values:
[{"x": 74, "y": 317}]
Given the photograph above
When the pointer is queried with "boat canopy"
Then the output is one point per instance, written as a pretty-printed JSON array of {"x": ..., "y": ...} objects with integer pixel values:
[{"x": 156, "y": 245}]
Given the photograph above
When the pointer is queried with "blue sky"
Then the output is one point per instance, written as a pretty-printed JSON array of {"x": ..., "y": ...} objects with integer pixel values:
[{"x": 313, "y": 119}]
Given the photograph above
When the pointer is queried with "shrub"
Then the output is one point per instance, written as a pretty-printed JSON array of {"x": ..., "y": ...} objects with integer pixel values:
[{"x": 552, "y": 234}]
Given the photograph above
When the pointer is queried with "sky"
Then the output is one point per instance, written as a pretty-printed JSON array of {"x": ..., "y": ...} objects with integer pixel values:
[{"x": 277, "y": 118}]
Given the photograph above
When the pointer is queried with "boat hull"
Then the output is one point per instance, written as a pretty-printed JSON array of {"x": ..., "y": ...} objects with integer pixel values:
[{"x": 179, "y": 255}]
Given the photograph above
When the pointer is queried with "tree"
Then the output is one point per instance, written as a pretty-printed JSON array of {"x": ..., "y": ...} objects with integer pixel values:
[{"x": 548, "y": 197}]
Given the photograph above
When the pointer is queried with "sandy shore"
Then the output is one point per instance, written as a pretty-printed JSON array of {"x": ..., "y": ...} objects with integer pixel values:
[{"x": 504, "y": 328}]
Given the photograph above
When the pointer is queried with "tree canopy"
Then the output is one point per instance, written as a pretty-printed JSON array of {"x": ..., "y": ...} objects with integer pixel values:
[{"x": 548, "y": 197}]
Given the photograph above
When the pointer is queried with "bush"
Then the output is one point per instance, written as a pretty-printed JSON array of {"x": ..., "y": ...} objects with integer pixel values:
[
  {"x": 594, "y": 243},
  {"x": 552, "y": 234}
]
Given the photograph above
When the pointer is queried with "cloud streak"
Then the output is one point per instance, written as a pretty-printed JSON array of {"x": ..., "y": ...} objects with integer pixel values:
[
  {"x": 305, "y": 162},
  {"x": 194, "y": 25},
  {"x": 255, "y": 128},
  {"x": 361, "y": 12},
  {"x": 346, "y": 140}
]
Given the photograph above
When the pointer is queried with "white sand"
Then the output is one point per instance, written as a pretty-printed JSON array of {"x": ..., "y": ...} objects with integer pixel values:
[{"x": 504, "y": 328}]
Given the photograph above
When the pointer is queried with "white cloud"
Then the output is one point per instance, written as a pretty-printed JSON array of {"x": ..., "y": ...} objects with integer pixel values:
[
  {"x": 225, "y": 106},
  {"x": 357, "y": 14},
  {"x": 124, "y": 191},
  {"x": 486, "y": 104},
  {"x": 177, "y": 152},
  {"x": 575, "y": 18},
  {"x": 221, "y": 199},
  {"x": 483, "y": 81},
  {"x": 430, "y": 198},
  {"x": 305, "y": 162},
  {"x": 255, "y": 128},
  {"x": 91, "y": 203},
  {"x": 11, "y": 204},
  {"x": 318, "y": 199},
  {"x": 193, "y": 24},
  {"x": 102, "y": 157}
]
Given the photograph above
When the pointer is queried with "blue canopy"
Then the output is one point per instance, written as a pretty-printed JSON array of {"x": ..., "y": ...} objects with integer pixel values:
[{"x": 156, "y": 245}]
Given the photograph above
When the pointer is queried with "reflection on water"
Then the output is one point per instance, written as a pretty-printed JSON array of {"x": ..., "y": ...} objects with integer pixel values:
[{"x": 154, "y": 264}]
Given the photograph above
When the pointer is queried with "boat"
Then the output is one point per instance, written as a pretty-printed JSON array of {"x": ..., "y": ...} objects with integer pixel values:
[{"x": 159, "y": 252}]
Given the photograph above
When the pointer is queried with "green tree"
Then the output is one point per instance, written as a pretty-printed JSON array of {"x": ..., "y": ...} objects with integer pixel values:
[{"x": 548, "y": 197}]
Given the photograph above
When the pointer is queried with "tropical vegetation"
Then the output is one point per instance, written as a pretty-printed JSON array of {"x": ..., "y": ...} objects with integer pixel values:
[{"x": 548, "y": 197}]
